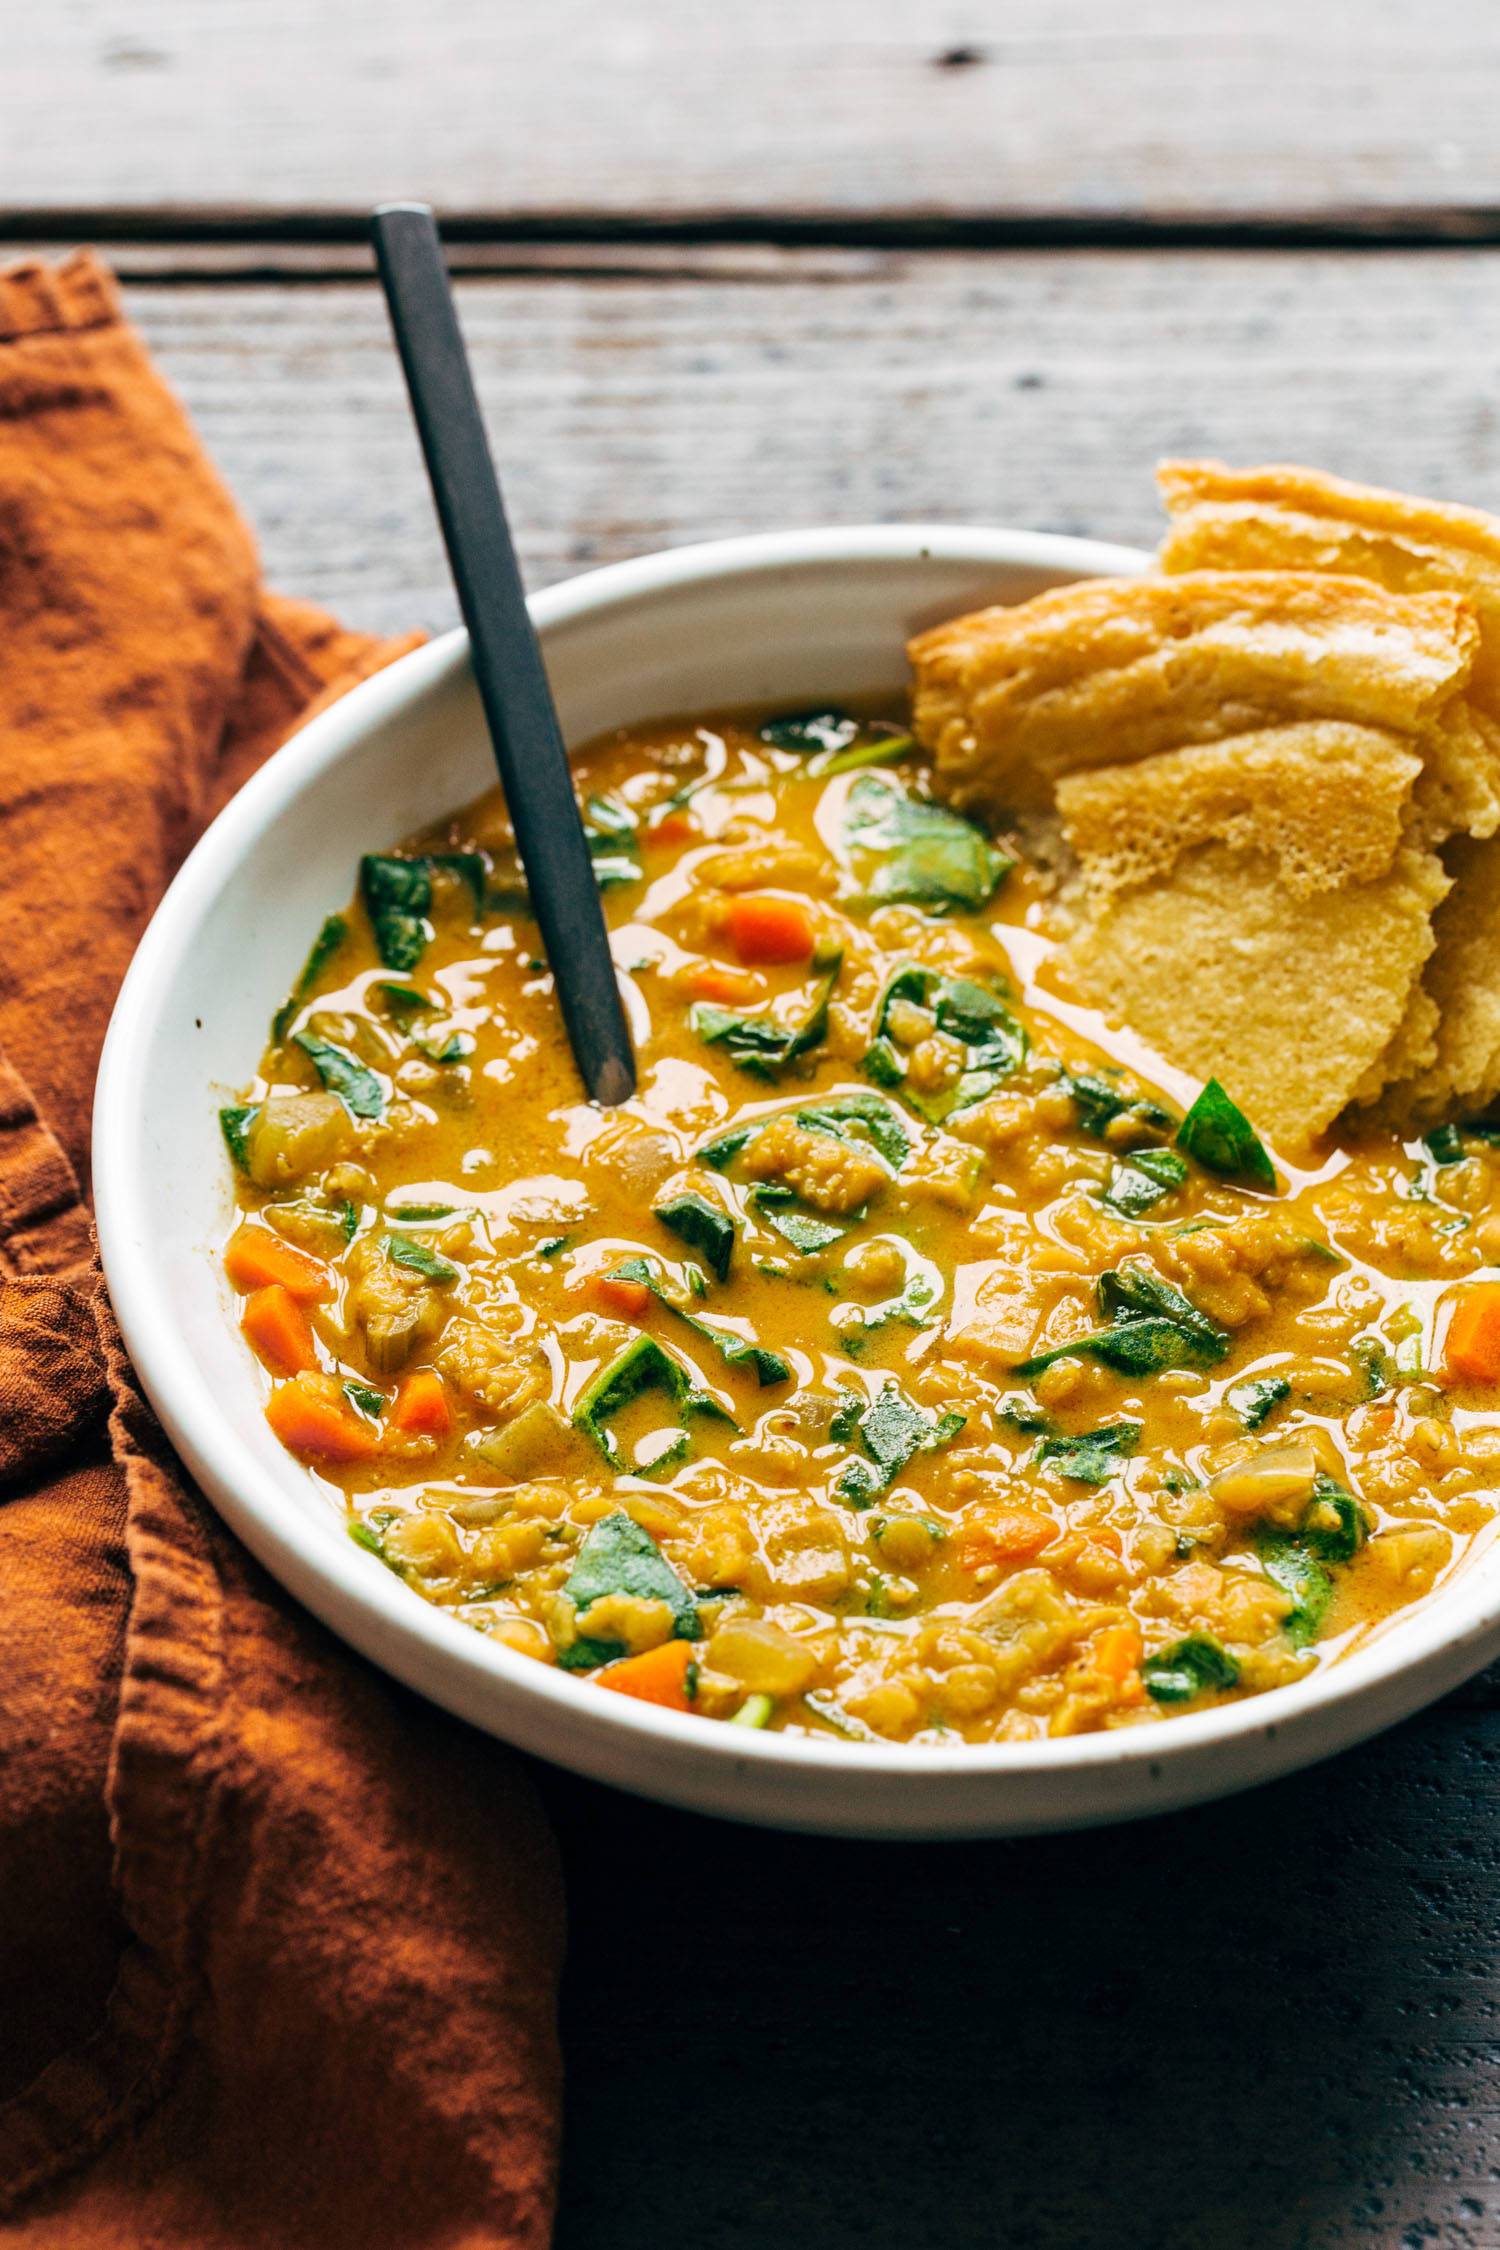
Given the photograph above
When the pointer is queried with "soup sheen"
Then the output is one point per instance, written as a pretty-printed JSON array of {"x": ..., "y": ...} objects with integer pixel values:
[{"x": 888, "y": 1365}]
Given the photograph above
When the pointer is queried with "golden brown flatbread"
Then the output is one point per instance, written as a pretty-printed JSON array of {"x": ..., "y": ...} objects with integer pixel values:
[
  {"x": 1283, "y": 518},
  {"x": 1111, "y": 671},
  {"x": 1264, "y": 770},
  {"x": 1462, "y": 984},
  {"x": 1326, "y": 802},
  {"x": 1291, "y": 519},
  {"x": 1286, "y": 996},
  {"x": 1226, "y": 890}
]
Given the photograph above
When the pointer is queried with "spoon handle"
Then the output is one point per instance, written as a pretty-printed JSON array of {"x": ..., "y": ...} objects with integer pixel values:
[{"x": 507, "y": 659}]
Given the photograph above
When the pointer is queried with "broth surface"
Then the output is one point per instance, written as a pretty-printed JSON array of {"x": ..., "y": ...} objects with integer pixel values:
[{"x": 885, "y": 1366}]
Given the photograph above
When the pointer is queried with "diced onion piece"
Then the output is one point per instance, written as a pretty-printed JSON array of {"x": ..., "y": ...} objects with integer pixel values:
[
  {"x": 761, "y": 1656},
  {"x": 1268, "y": 1480}
]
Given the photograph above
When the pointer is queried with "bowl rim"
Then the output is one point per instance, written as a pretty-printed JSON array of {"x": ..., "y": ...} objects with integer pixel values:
[{"x": 1445, "y": 1639}]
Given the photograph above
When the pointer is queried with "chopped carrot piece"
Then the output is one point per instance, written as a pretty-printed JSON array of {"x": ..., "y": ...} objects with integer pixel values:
[
  {"x": 311, "y": 1415},
  {"x": 730, "y": 987},
  {"x": 658, "y": 1676},
  {"x": 1117, "y": 1653},
  {"x": 256, "y": 1258},
  {"x": 1472, "y": 1345},
  {"x": 421, "y": 1406},
  {"x": 765, "y": 928},
  {"x": 627, "y": 1300},
  {"x": 277, "y": 1328},
  {"x": 672, "y": 828},
  {"x": 1009, "y": 1536}
]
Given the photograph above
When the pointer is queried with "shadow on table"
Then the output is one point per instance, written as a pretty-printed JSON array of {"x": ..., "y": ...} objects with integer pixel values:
[{"x": 1267, "y": 2025}]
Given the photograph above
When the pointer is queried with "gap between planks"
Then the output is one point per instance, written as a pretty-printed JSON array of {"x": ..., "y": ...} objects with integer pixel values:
[{"x": 231, "y": 245}]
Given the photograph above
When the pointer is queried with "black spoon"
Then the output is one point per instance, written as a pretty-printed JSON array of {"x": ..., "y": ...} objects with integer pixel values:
[{"x": 508, "y": 666}]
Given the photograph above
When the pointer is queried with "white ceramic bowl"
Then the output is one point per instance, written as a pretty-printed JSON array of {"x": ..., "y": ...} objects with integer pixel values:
[{"x": 787, "y": 618}]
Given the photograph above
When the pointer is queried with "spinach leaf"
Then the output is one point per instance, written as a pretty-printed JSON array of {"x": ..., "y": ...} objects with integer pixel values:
[
  {"x": 892, "y": 1431},
  {"x": 337, "y": 1216},
  {"x": 843, "y": 1423},
  {"x": 1155, "y": 1327},
  {"x": 766, "y": 1366},
  {"x": 357, "y": 1088},
  {"x": 1100, "y": 1096},
  {"x": 454, "y": 1048},
  {"x": 406, "y": 1250},
  {"x": 1290, "y": 1564},
  {"x": 1142, "y": 1347},
  {"x": 325, "y": 945},
  {"x": 235, "y": 1123},
  {"x": 806, "y": 1234},
  {"x": 371, "y": 1536},
  {"x": 1023, "y": 1413},
  {"x": 346, "y": 1216},
  {"x": 404, "y": 1002},
  {"x": 859, "y": 1116},
  {"x": 1374, "y": 1364},
  {"x": 618, "y": 1557},
  {"x": 972, "y": 1014},
  {"x": 1094, "y": 1457},
  {"x": 1219, "y": 1135},
  {"x": 1187, "y": 1668},
  {"x": 880, "y": 750},
  {"x": 760, "y": 1045},
  {"x": 1444, "y": 1144},
  {"x": 1140, "y": 1181},
  {"x": 1331, "y": 1531},
  {"x": 913, "y": 1302},
  {"x": 884, "y": 1062},
  {"x": 397, "y": 894},
  {"x": 369, "y": 1401},
  {"x": 611, "y": 831},
  {"x": 719, "y": 1154},
  {"x": 1134, "y": 1292},
  {"x": 703, "y": 1227},
  {"x": 853, "y": 1116},
  {"x": 1256, "y": 1402},
  {"x": 736, "y": 1351},
  {"x": 807, "y": 731},
  {"x": 469, "y": 868},
  {"x": 916, "y": 852},
  {"x": 1334, "y": 1526},
  {"x": 642, "y": 1366}
]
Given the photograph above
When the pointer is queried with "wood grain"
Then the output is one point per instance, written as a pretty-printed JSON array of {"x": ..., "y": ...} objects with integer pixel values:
[
  {"x": 667, "y": 111},
  {"x": 1267, "y": 2025},
  {"x": 635, "y": 410},
  {"x": 1270, "y": 2023}
]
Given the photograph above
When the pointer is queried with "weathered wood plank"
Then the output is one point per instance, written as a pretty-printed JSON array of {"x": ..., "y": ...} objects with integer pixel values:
[
  {"x": 1274, "y": 2022},
  {"x": 668, "y": 109},
  {"x": 639, "y": 410}
]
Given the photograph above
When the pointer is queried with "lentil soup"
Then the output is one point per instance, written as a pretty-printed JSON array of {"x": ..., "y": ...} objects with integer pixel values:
[{"x": 901, "y": 1362}]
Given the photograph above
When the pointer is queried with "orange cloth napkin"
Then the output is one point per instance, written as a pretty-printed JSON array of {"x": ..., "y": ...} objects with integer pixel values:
[{"x": 279, "y": 1943}]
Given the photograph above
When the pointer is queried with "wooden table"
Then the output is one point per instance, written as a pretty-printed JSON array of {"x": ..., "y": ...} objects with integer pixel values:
[{"x": 834, "y": 260}]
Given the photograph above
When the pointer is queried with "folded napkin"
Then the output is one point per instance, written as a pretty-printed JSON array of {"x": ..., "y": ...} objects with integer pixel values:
[{"x": 279, "y": 1946}]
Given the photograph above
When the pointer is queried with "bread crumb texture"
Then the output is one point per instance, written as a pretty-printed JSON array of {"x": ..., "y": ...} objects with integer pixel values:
[{"x": 1270, "y": 771}]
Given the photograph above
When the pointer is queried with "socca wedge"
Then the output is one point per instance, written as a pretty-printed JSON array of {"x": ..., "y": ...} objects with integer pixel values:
[
  {"x": 1253, "y": 908},
  {"x": 1112, "y": 671},
  {"x": 1294, "y": 519}
]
